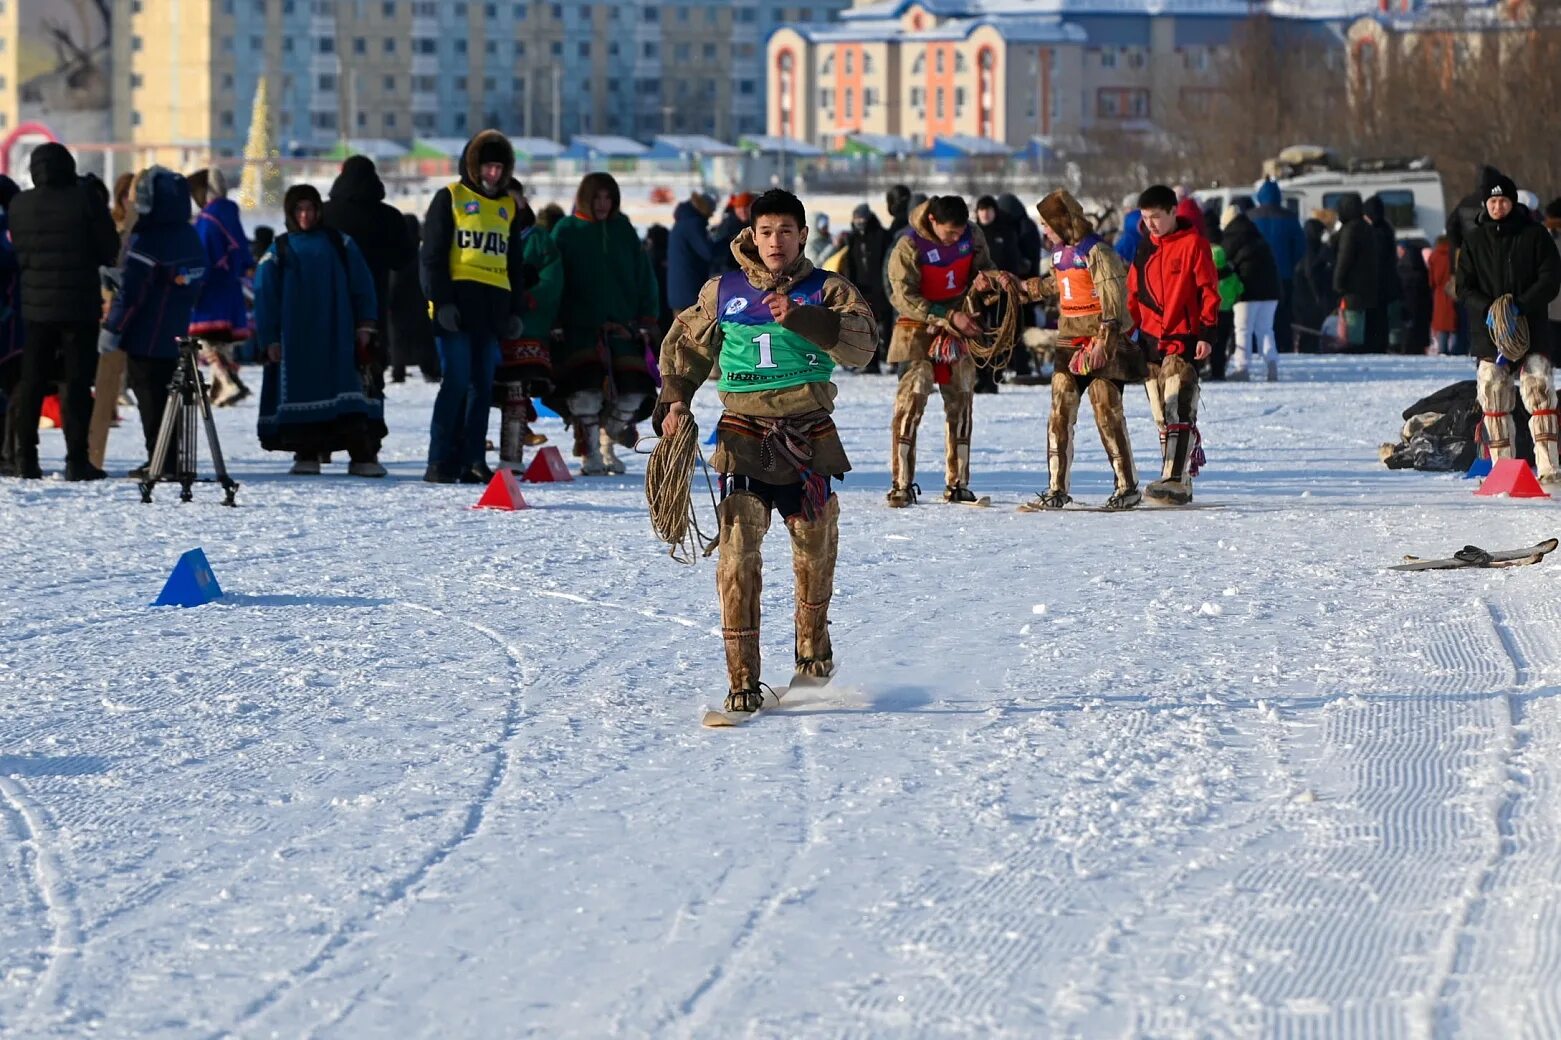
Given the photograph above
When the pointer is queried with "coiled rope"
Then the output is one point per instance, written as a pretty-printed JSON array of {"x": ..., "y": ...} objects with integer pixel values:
[
  {"x": 669, "y": 492},
  {"x": 997, "y": 312},
  {"x": 1509, "y": 330}
]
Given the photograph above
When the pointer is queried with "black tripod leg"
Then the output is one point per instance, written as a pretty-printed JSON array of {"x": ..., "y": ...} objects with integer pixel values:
[
  {"x": 229, "y": 485},
  {"x": 165, "y": 435}
]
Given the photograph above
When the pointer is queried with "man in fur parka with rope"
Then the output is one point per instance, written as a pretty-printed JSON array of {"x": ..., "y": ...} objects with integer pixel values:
[
  {"x": 777, "y": 327},
  {"x": 1088, "y": 283},
  {"x": 1508, "y": 272},
  {"x": 930, "y": 271}
]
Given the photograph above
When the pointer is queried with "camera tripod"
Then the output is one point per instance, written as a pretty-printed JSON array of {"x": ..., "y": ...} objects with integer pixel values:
[{"x": 187, "y": 396}]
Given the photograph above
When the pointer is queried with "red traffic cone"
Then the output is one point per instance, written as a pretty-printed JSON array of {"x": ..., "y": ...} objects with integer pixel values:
[
  {"x": 1513, "y": 478},
  {"x": 548, "y": 467},
  {"x": 503, "y": 492}
]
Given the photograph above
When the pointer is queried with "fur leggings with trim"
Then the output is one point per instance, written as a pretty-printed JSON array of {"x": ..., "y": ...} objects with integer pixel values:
[
  {"x": 917, "y": 381},
  {"x": 1498, "y": 387}
]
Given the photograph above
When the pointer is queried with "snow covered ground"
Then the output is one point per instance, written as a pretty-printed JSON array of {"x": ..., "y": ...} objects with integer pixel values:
[{"x": 431, "y": 772}]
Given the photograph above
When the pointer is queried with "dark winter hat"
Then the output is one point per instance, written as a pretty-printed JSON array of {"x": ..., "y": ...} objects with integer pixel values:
[
  {"x": 493, "y": 151},
  {"x": 1502, "y": 187},
  {"x": 1552, "y": 208},
  {"x": 8, "y": 191},
  {"x": 862, "y": 212},
  {"x": 986, "y": 202},
  {"x": 703, "y": 203},
  {"x": 296, "y": 196}
]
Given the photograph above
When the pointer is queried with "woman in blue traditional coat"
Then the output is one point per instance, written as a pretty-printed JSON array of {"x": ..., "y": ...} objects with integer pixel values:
[
  {"x": 315, "y": 311},
  {"x": 220, "y": 318}
]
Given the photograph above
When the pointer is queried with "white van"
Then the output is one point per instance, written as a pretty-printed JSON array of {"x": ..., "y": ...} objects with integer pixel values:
[{"x": 1312, "y": 180}]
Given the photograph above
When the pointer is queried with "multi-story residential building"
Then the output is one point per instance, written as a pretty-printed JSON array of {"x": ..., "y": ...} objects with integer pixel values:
[
  {"x": 185, "y": 72},
  {"x": 10, "y": 74},
  {"x": 1012, "y": 70}
]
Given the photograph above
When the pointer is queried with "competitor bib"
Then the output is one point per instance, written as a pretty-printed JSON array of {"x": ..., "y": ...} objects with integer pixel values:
[
  {"x": 479, "y": 249},
  {"x": 1076, "y": 293},
  {"x": 945, "y": 270},
  {"x": 757, "y": 352}
]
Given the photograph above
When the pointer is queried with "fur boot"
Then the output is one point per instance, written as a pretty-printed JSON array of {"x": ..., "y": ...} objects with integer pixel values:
[
  {"x": 1537, "y": 384},
  {"x": 814, "y": 546},
  {"x": 958, "y": 414},
  {"x": 1059, "y": 430},
  {"x": 1176, "y": 386},
  {"x": 1497, "y": 395},
  {"x": 513, "y": 427},
  {"x": 908, "y": 409},
  {"x": 1106, "y": 399},
  {"x": 739, "y": 579},
  {"x": 585, "y": 409}
]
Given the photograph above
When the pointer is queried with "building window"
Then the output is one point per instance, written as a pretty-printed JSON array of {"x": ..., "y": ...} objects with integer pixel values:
[
  {"x": 850, "y": 109},
  {"x": 585, "y": 48},
  {"x": 867, "y": 64},
  {"x": 388, "y": 8},
  {"x": 390, "y": 120},
  {"x": 325, "y": 45},
  {"x": 959, "y": 101},
  {"x": 648, "y": 50},
  {"x": 850, "y": 62},
  {"x": 492, "y": 46},
  {"x": 363, "y": 120},
  {"x": 828, "y": 67},
  {"x": 227, "y": 120},
  {"x": 327, "y": 82},
  {"x": 1121, "y": 103},
  {"x": 460, "y": 46},
  {"x": 390, "y": 84},
  {"x": 136, "y": 81},
  {"x": 135, "y": 43},
  {"x": 650, "y": 14},
  {"x": 360, "y": 45},
  {"x": 520, "y": 12},
  {"x": 938, "y": 61},
  {"x": 1108, "y": 59},
  {"x": 918, "y": 98},
  {"x": 959, "y": 61},
  {"x": 709, "y": 52},
  {"x": 919, "y": 66},
  {"x": 390, "y": 45},
  {"x": 557, "y": 48},
  {"x": 520, "y": 48},
  {"x": 745, "y": 87},
  {"x": 940, "y": 103}
]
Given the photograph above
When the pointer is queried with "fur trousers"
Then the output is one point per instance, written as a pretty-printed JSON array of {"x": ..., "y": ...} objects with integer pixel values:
[
  {"x": 1173, "y": 401},
  {"x": 910, "y": 404},
  {"x": 1105, "y": 397},
  {"x": 1498, "y": 388},
  {"x": 815, "y": 544}
]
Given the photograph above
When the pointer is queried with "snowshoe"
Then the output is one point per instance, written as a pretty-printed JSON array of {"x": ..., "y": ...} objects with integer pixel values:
[
  {"x": 1124, "y": 498},
  {"x": 305, "y": 468},
  {"x": 1052, "y": 499},
  {"x": 1169, "y": 492},
  {"x": 610, "y": 460},
  {"x": 370, "y": 468},
  {"x": 900, "y": 497},
  {"x": 818, "y": 670}
]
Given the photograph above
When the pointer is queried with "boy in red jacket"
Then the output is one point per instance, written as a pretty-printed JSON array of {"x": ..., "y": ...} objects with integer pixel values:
[{"x": 1173, "y": 297}]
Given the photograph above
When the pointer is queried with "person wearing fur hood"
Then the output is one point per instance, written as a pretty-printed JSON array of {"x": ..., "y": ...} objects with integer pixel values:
[
  {"x": 1088, "y": 283},
  {"x": 940, "y": 259},
  {"x": 221, "y": 318},
  {"x": 776, "y": 327},
  {"x": 608, "y": 314}
]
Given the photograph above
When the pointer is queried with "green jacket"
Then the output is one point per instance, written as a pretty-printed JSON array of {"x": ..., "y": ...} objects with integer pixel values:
[
  {"x": 539, "y": 251},
  {"x": 1230, "y": 281},
  {"x": 607, "y": 278}
]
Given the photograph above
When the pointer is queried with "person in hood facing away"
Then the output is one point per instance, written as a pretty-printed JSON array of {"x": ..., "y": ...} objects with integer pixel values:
[
  {"x": 1508, "y": 273},
  {"x": 1415, "y": 290},
  {"x": 63, "y": 235},
  {"x": 1031, "y": 245},
  {"x": 1281, "y": 229},
  {"x": 159, "y": 281},
  {"x": 777, "y": 327},
  {"x": 691, "y": 252},
  {"x": 608, "y": 314},
  {"x": 1131, "y": 234},
  {"x": 1313, "y": 298},
  {"x": 820, "y": 242},
  {"x": 526, "y": 361},
  {"x": 1354, "y": 270},
  {"x": 1384, "y": 322},
  {"x": 1088, "y": 284},
  {"x": 897, "y": 200},
  {"x": 221, "y": 318},
  {"x": 10, "y": 332},
  {"x": 1253, "y": 262},
  {"x": 357, "y": 209},
  {"x": 940, "y": 260},
  {"x": 407, "y": 325},
  {"x": 733, "y": 220},
  {"x": 1444, "y": 298},
  {"x": 314, "y": 311},
  {"x": 867, "y": 247},
  {"x": 474, "y": 278},
  {"x": 1173, "y": 298}
]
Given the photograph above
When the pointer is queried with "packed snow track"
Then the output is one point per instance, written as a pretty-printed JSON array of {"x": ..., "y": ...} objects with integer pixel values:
[{"x": 426, "y": 771}]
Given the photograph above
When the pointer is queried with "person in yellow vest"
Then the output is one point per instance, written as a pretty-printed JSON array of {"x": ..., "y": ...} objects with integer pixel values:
[{"x": 475, "y": 283}]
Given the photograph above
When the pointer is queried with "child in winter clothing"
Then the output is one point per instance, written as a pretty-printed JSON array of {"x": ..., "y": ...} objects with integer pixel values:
[
  {"x": 220, "y": 318},
  {"x": 1230, "y": 293},
  {"x": 777, "y": 327},
  {"x": 1444, "y": 301},
  {"x": 1173, "y": 296}
]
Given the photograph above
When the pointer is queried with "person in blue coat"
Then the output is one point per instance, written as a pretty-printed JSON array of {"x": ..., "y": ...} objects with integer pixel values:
[
  {"x": 220, "y": 319},
  {"x": 164, "y": 265},
  {"x": 691, "y": 252},
  {"x": 1126, "y": 244},
  {"x": 314, "y": 312},
  {"x": 1286, "y": 239}
]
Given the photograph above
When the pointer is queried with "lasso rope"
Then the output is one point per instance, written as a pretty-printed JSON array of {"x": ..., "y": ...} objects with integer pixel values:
[
  {"x": 997, "y": 312},
  {"x": 669, "y": 492},
  {"x": 1509, "y": 331}
]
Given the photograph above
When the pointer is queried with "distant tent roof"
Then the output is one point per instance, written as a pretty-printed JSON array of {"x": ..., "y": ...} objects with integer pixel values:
[
  {"x": 668, "y": 146},
  {"x": 536, "y": 147},
  {"x": 878, "y": 144},
  {"x": 962, "y": 146},
  {"x": 429, "y": 147},
  {"x": 375, "y": 148},
  {"x": 592, "y": 147},
  {"x": 787, "y": 145},
  {"x": 1038, "y": 149}
]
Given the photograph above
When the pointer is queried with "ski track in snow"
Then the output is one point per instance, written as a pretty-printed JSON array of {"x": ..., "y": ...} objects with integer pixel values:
[{"x": 431, "y": 772}]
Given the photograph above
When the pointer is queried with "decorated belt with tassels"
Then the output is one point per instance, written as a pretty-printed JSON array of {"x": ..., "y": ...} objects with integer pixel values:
[{"x": 788, "y": 443}]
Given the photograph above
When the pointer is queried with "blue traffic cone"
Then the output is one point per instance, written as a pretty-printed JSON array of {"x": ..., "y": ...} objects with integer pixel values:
[{"x": 191, "y": 584}]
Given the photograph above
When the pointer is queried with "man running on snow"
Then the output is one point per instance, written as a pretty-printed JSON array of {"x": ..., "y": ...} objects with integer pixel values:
[
  {"x": 1094, "y": 356},
  {"x": 778, "y": 327},
  {"x": 930, "y": 270},
  {"x": 1508, "y": 272},
  {"x": 1173, "y": 298}
]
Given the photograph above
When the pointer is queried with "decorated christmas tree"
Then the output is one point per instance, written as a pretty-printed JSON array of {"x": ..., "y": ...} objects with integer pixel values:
[{"x": 262, "y": 184}]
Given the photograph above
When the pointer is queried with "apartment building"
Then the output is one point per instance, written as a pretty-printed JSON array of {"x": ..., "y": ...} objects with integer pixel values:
[
  {"x": 1011, "y": 71},
  {"x": 186, "y": 70}
]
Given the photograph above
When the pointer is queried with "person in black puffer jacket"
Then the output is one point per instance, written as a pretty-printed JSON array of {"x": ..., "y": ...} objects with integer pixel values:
[
  {"x": 408, "y": 327},
  {"x": 1509, "y": 259},
  {"x": 63, "y": 233},
  {"x": 867, "y": 247},
  {"x": 1314, "y": 298},
  {"x": 1383, "y": 320},
  {"x": 1249, "y": 255},
  {"x": 358, "y": 210},
  {"x": 1354, "y": 269}
]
